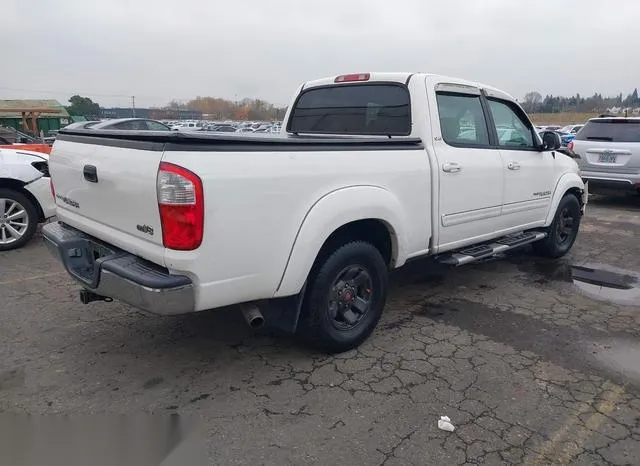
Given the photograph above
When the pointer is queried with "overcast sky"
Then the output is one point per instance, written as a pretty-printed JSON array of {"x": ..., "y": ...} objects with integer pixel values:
[{"x": 158, "y": 50}]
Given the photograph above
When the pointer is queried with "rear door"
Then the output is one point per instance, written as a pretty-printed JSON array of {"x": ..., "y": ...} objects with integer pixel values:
[
  {"x": 529, "y": 179},
  {"x": 471, "y": 175},
  {"x": 107, "y": 188}
]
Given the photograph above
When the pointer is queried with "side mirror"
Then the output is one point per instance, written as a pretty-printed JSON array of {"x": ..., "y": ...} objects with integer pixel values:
[{"x": 551, "y": 141}]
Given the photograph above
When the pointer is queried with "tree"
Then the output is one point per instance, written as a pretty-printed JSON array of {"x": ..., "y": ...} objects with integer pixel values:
[
  {"x": 532, "y": 101},
  {"x": 177, "y": 105},
  {"x": 83, "y": 106}
]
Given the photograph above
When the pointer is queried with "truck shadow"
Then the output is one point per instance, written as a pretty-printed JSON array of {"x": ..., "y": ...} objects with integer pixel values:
[{"x": 620, "y": 201}]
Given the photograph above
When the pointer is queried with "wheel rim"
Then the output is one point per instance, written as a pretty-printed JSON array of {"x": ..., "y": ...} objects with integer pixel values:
[
  {"x": 14, "y": 221},
  {"x": 565, "y": 226},
  {"x": 350, "y": 297}
]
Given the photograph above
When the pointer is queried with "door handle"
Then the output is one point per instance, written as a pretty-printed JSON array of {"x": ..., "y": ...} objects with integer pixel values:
[
  {"x": 451, "y": 167},
  {"x": 513, "y": 166},
  {"x": 90, "y": 173}
]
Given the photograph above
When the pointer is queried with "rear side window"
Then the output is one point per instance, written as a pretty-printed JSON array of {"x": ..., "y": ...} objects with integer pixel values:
[
  {"x": 367, "y": 109},
  {"x": 156, "y": 126},
  {"x": 462, "y": 120},
  {"x": 610, "y": 130},
  {"x": 128, "y": 125}
]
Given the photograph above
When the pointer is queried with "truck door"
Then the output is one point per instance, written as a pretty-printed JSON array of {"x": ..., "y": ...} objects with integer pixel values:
[
  {"x": 470, "y": 170},
  {"x": 529, "y": 178}
]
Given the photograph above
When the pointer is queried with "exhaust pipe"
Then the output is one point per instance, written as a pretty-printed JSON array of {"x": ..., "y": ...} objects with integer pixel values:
[
  {"x": 87, "y": 297},
  {"x": 252, "y": 315}
]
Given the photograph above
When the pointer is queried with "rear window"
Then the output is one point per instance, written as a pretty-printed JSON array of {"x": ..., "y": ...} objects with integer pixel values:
[
  {"x": 610, "y": 130},
  {"x": 367, "y": 109}
]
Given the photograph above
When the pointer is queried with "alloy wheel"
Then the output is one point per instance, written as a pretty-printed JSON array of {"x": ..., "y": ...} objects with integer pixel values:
[{"x": 14, "y": 221}]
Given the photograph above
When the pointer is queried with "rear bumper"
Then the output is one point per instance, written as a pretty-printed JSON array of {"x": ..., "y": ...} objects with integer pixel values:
[
  {"x": 605, "y": 183},
  {"x": 111, "y": 272}
]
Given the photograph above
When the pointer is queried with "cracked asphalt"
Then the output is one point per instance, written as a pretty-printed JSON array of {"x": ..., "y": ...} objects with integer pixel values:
[{"x": 532, "y": 365}]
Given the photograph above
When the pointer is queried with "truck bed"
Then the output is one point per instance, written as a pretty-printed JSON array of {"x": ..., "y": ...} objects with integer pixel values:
[{"x": 175, "y": 140}]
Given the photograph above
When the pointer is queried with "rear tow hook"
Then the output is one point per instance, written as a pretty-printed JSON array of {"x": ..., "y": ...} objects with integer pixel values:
[{"x": 87, "y": 297}]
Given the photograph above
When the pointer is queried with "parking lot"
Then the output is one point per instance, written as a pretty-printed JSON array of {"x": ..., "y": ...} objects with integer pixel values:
[{"x": 531, "y": 364}]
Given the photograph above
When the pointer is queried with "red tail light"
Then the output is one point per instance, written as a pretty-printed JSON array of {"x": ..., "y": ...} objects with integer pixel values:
[
  {"x": 181, "y": 205},
  {"x": 570, "y": 146}
]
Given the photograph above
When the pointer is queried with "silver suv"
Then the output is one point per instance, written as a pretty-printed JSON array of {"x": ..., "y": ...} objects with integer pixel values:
[{"x": 609, "y": 153}]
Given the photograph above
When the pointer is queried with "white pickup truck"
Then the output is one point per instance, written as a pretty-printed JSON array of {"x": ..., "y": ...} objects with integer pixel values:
[{"x": 300, "y": 230}]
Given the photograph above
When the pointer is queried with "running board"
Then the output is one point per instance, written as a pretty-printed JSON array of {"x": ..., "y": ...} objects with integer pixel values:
[{"x": 476, "y": 253}]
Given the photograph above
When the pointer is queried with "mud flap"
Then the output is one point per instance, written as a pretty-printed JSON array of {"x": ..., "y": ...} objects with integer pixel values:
[
  {"x": 283, "y": 313},
  {"x": 585, "y": 197}
]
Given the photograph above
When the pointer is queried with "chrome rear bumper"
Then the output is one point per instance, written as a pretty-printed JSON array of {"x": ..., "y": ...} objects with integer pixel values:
[{"x": 108, "y": 271}]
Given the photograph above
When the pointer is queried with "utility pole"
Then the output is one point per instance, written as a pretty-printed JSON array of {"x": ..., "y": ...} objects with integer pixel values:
[{"x": 133, "y": 105}]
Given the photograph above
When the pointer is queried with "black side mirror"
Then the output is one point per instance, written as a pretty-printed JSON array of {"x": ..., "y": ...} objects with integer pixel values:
[{"x": 551, "y": 141}]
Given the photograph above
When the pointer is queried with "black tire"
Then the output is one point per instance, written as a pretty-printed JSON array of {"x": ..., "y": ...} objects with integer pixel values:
[
  {"x": 333, "y": 298},
  {"x": 31, "y": 219},
  {"x": 563, "y": 231}
]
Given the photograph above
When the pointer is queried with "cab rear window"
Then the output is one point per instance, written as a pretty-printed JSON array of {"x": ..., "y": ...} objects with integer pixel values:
[
  {"x": 366, "y": 109},
  {"x": 610, "y": 130}
]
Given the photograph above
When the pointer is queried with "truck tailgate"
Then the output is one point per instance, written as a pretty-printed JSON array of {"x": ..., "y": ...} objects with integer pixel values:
[{"x": 109, "y": 191}]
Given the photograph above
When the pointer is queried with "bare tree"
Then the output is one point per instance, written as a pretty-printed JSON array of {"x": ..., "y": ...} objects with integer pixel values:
[{"x": 532, "y": 101}]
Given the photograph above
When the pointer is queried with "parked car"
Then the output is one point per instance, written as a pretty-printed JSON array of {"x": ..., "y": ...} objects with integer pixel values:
[
  {"x": 81, "y": 124},
  {"x": 187, "y": 126},
  {"x": 22, "y": 141},
  {"x": 225, "y": 129},
  {"x": 571, "y": 129},
  {"x": 130, "y": 124},
  {"x": 301, "y": 231},
  {"x": 609, "y": 153},
  {"x": 25, "y": 196}
]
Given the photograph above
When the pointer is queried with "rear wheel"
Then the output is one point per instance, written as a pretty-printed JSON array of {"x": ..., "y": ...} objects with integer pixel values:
[
  {"x": 563, "y": 231},
  {"x": 18, "y": 219},
  {"x": 344, "y": 299}
]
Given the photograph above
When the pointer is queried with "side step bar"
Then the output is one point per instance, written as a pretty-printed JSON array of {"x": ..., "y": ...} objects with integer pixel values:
[{"x": 475, "y": 253}]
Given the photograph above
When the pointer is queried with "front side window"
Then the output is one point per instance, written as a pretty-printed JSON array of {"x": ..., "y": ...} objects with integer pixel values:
[
  {"x": 367, "y": 109},
  {"x": 461, "y": 119},
  {"x": 513, "y": 130}
]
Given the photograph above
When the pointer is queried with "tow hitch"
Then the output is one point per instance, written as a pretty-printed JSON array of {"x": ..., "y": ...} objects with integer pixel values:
[{"x": 87, "y": 297}]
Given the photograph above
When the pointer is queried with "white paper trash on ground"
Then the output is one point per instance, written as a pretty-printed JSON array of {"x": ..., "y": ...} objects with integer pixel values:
[{"x": 445, "y": 424}]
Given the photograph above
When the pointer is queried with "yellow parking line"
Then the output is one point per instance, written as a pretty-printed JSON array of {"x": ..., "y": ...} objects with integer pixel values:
[
  {"x": 549, "y": 452},
  {"x": 9, "y": 282}
]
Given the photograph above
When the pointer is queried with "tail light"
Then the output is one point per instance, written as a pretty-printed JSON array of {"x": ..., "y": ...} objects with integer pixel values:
[
  {"x": 181, "y": 205},
  {"x": 570, "y": 146},
  {"x": 53, "y": 190}
]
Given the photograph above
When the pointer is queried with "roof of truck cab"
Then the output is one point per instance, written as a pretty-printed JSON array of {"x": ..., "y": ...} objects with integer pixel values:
[{"x": 403, "y": 78}]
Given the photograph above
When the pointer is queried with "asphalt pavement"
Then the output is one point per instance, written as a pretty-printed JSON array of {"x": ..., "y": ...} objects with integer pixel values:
[{"x": 534, "y": 361}]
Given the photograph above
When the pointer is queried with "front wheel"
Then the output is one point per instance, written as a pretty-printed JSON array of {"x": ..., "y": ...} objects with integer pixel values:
[
  {"x": 18, "y": 219},
  {"x": 563, "y": 231},
  {"x": 344, "y": 299}
]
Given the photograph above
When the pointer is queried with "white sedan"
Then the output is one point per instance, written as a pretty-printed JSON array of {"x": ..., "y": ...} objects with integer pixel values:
[{"x": 26, "y": 198}]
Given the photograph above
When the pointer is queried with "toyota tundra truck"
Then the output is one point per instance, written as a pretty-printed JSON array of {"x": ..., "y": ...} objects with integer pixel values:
[{"x": 300, "y": 230}]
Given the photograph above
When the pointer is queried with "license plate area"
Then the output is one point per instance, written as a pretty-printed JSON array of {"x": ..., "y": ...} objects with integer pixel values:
[
  {"x": 607, "y": 158},
  {"x": 84, "y": 258}
]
